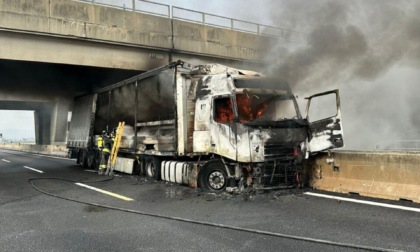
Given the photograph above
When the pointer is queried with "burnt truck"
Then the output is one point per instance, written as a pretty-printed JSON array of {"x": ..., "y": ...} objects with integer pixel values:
[{"x": 210, "y": 126}]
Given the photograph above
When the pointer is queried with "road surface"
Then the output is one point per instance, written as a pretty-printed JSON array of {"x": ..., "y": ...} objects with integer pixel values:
[{"x": 72, "y": 212}]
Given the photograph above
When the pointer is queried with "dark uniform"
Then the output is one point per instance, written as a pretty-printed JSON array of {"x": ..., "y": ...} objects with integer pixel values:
[{"x": 104, "y": 144}]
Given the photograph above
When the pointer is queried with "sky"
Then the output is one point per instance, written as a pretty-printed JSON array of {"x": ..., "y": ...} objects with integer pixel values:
[
  {"x": 247, "y": 10},
  {"x": 17, "y": 124},
  {"x": 369, "y": 49}
]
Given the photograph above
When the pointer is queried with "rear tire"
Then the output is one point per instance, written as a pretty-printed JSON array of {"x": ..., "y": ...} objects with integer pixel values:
[
  {"x": 213, "y": 176},
  {"x": 139, "y": 166},
  {"x": 92, "y": 160},
  {"x": 153, "y": 167},
  {"x": 82, "y": 158},
  {"x": 85, "y": 159}
]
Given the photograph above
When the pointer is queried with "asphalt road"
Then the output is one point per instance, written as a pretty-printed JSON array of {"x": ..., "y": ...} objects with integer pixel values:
[{"x": 168, "y": 217}]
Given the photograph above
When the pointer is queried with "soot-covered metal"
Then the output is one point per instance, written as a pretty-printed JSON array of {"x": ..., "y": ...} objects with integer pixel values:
[{"x": 232, "y": 128}]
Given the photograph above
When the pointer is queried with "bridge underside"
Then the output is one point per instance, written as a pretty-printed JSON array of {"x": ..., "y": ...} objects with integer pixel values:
[{"x": 48, "y": 89}]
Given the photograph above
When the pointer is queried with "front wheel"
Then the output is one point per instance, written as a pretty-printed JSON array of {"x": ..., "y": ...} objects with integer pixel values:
[{"x": 213, "y": 176}]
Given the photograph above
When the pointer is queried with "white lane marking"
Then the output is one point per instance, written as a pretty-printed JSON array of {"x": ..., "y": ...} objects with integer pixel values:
[
  {"x": 413, "y": 209},
  {"x": 33, "y": 169},
  {"x": 105, "y": 192},
  {"x": 4, "y": 160}
]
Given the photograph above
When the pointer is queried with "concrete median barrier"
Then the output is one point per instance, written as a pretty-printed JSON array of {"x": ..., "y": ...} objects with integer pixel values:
[
  {"x": 387, "y": 175},
  {"x": 53, "y": 150}
]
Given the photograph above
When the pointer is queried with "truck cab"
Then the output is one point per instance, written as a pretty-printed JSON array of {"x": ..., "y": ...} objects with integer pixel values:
[{"x": 254, "y": 125}]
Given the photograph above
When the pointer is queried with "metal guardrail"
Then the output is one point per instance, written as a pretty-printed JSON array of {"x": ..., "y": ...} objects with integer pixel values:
[
  {"x": 203, "y": 18},
  {"x": 233, "y": 24}
]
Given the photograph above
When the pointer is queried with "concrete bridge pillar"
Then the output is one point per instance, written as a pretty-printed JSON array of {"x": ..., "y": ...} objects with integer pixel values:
[
  {"x": 43, "y": 124},
  {"x": 51, "y": 123}
]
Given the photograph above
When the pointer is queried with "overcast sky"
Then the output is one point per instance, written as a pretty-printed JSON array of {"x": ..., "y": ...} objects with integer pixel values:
[
  {"x": 17, "y": 124},
  {"x": 248, "y": 10}
]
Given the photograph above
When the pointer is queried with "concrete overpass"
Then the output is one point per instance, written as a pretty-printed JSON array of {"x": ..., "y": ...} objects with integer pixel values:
[{"x": 52, "y": 50}]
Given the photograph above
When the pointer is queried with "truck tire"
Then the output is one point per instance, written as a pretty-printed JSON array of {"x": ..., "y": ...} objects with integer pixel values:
[
  {"x": 84, "y": 162},
  {"x": 140, "y": 166},
  {"x": 153, "y": 167},
  {"x": 213, "y": 176},
  {"x": 79, "y": 157},
  {"x": 91, "y": 160},
  {"x": 82, "y": 158}
]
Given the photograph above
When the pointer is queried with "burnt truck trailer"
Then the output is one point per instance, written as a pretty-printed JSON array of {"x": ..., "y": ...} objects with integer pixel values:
[{"x": 208, "y": 125}]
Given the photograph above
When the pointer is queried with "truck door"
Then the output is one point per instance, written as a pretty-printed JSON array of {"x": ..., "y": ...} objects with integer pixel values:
[
  {"x": 223, "y": 138},
  {"x": 324, "y": 116}
]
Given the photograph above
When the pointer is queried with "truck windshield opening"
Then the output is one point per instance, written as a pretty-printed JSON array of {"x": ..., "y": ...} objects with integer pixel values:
[
  {"x": 264, "y": 108},
  {"x": 261, "y": 83}
]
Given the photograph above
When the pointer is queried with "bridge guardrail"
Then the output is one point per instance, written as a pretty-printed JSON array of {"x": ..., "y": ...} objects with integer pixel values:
[{"x": 203, "y": 18}]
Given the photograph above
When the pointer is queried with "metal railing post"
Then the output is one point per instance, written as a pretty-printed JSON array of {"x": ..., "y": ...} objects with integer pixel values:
[{"x": 193, "y": 16}]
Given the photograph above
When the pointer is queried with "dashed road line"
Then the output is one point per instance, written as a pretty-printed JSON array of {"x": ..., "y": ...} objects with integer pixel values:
[
  {"x": 4, "y": 160},
  {"x": 105, "y": 192},
  {"x": 413, "y": 209},
  {"x": 33, "y": 169}
]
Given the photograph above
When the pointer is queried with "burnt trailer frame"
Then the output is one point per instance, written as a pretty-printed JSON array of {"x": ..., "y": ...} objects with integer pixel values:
[{"x": 83, "y": 145}]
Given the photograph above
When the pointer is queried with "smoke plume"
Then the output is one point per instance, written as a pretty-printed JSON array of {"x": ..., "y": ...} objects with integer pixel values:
[{"x": 370, "y": 50}]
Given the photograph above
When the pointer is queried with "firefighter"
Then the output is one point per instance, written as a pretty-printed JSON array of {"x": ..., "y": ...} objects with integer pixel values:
[
  {"x": 113, "y": 134},
  {"x": 104, "y": 145}
]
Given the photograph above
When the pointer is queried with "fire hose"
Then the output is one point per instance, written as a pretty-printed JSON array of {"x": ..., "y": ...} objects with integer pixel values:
[{"x": 204, "y": 223}]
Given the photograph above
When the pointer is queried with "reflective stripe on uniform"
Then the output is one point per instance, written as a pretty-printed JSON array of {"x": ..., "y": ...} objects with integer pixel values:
[
  {"x": 105, "y": 150},
  {"x": 100, "y": 142}
]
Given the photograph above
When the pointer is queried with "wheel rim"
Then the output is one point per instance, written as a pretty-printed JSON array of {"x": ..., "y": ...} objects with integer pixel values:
[
  {"x": 151, "y": 169},
  {"x": 216, "y": 180}
]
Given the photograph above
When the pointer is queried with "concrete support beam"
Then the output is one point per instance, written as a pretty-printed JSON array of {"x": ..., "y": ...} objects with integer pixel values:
[
  {"x": 43, "y": 125},
  {"x": 51, "y": 123},
  {"x": 28, "y": 47}
]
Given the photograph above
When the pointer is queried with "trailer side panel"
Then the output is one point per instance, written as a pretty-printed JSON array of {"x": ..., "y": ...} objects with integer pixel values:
[{"x": 81, "y": 121}]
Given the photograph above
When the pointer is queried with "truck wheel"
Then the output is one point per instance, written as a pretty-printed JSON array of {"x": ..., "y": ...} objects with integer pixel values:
[
  {"x": 213, "y": 176},
  {"x": 91, "y": 162},
  {"x": 153, "y": 167},
  {"x": 140, "y": 166},
  {"x": 79, "y": 157},
  {"x": 84, "y": 162},
  {"x": 82, "y": 158}
]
